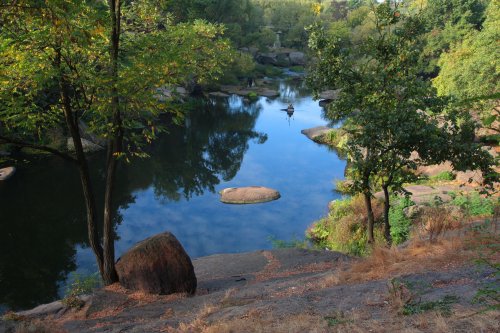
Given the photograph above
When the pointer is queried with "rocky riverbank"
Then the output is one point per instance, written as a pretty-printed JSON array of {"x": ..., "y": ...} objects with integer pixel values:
[{"x": 423, "y": 287}]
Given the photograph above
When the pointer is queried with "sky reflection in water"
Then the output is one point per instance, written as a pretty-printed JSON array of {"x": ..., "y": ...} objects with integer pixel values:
[{"x": 225, "y": 143}]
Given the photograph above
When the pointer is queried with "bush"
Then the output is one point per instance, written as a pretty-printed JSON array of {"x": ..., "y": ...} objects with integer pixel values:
[
  {"x": 345, "y": 228},
  {"x": 252, "y": 96},
  {"x": 297, "y": 68},
  {"x": 400, "y": 223},
  {"x": 81, "y": 285},
  {"x": 443, "y": 176},
  {"x": 474, "y": 205}
]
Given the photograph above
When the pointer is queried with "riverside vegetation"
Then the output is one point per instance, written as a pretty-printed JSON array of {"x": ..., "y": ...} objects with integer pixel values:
[{"x": 408, "y": 73}]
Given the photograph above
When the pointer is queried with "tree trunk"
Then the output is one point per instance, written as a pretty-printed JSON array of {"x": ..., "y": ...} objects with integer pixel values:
[
  {"x": 387, "y": 206},
  {"x": 369, "y": 213},
  {"x": 88, "y": 193},
  {"x": 114, "y": 146},
  {"x": 109, "y": 275}
]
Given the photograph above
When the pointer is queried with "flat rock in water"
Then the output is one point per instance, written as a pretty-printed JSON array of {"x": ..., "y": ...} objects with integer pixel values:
[
  {"x": 6, "y": 173},
  {"x": 313, "y": 133},
  {"x": 248, "y": 195}
]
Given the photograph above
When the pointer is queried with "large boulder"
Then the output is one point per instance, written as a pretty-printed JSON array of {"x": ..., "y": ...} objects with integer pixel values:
[
  {"x": 157, "y": 265},
  {"x": 248, "y": 195}
]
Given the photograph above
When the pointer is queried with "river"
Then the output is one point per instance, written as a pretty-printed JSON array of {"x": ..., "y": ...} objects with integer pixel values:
[{"x": 225, "y": 142}]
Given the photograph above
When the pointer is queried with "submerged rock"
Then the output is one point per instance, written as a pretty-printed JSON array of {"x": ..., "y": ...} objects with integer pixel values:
[
  {"x": 6, "y": 173},
  {"x": 248, "y": 195},
  {"x": 157, "y": 265}
]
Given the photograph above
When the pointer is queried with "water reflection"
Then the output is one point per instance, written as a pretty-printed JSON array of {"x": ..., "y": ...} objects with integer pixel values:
[
  {"x": 224, "y": 143},
  {"x": 43, "y": 218}
]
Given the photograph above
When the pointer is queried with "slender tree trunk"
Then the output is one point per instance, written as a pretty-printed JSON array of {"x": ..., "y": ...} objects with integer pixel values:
[
  {"x": 369, "y": 213},
  {"x": 109, "y": 275},
  {"x": 114, "y": 146},
  {"x": 387, "y": 206},
  {"x": 83, "y": 169}
]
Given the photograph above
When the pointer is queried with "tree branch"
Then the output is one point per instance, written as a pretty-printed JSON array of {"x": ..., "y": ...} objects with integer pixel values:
[{"x": 67, "y": 157}]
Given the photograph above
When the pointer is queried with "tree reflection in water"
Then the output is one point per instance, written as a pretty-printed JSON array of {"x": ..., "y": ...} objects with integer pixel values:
[{"x": 43, "y": 218}]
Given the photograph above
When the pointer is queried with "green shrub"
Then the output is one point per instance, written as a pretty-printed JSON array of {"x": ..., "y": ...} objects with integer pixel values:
[
  {"x": 297, "y": 68},
  {"x": 400, "y": 223},
  {"x": 345, "y": 228},
  {"x": 443, "y": 176},
  {"x": 292, "y": 244},
  {"x": 473, "y": 204},
  {"x": 81, "y": 285},
  {"x": 252, "y": 95}
]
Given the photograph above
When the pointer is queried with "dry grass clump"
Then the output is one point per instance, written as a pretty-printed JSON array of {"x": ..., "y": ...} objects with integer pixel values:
[
  {"x": 432, "y": 222},
  {"x": 418, "y": 256}
]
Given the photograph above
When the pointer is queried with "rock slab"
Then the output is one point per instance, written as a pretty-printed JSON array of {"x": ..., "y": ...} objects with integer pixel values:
[
  {"x": 315, "y": 132},
  {"x": 248, "y": 195},
  {"x": 157, "y": 265}
]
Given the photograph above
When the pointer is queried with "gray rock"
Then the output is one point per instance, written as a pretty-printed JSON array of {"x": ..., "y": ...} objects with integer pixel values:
[
  {"x": 268, "y": 92},
  {"x": 88, "y": 146},
  {"x": 157, "y": 265},
  {"x": 325, "y": 102},
  {"x": 297, "y": 58},
  {"x": 6, "y": 173},
  {"x": 248, "y": 195},
  {"x": 267, "y": 58},
  {"x": 44, "y": 310},
  {"x": 218, "y": 94},
  {"x": 315, "y": 132},
  {"x": 282, "y": 60}
]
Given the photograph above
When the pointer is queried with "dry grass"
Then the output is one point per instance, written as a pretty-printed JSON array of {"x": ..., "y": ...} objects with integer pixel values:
[
  {"x": 38, "y": 327},
  {"x": 418, "y": 256},
  {"x": 356, "y": 321},
  {"x": 435, "y": 221},
  {"x": 259, "y": 322}
]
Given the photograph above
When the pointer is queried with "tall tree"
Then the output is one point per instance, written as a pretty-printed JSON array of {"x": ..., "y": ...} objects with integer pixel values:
[
  {"x": 385, "y": 106},
  {"x": 104, "y": 62}
]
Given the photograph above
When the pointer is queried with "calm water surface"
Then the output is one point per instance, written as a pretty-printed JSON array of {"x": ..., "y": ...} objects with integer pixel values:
[{"x": 224, "y": 143}]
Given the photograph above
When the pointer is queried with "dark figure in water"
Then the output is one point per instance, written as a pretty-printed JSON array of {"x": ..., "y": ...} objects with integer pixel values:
[{"x": 290, "y": 108}]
